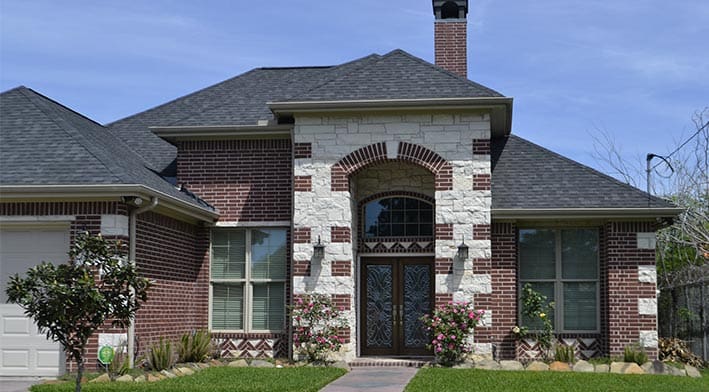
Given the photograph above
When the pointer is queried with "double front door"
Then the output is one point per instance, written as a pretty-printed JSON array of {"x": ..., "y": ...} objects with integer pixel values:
[{"x": 395, "y": 293}]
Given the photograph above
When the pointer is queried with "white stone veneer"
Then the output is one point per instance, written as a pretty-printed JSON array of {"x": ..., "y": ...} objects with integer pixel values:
[{"x": 333, "y": 137}]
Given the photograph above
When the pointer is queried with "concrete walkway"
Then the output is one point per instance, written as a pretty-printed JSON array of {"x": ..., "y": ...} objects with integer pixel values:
[
  {"x": 379, "y": 379},
  {"x": 8, "y": 384}
]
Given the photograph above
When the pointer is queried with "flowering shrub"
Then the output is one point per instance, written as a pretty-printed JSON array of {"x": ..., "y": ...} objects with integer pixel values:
[
  {"x": 315, "y": 324},
  {"x": 450, "y": 326},
  {"x": 536, "y": 308}
]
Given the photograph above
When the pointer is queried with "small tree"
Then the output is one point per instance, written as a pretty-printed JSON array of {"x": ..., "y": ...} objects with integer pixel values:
[{"x": 69, "y": 303}]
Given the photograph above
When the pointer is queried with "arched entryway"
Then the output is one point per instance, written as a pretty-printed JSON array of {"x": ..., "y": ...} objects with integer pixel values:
[{"x": 392, "y": 187}]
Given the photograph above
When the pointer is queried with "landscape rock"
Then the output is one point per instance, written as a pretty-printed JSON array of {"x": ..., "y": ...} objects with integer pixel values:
[
  {"x": 655, "y": 367},
  {"x": 537, "y": 366},
  {"x": 676, "y": 371},
  {"x": 102, "y": 378},
  {"x": 583, "y": 367},
  {"x": 557, "y": 366},
  {"x": 260, "y": 363},
  {"x": 168, "y": 374},
  {"x": 186, "y": 371},
  {"x": 692, "y": 371},
  {"x": 176, "y": 372},
  {"x": 238, "y": 363},
  {"x": 125, "y": 378},
  {"x": 153, "y": 378},
  {"x": 626, "y": 368},
  {"x": 464, "y": 365},
  {"x": 215, "y": 362},
  {"x": 139, "y": 379},
  {"x": 602, "y": 368},
  {"x": 511, "y": 365},
  {"x": 487, "y": 364}
]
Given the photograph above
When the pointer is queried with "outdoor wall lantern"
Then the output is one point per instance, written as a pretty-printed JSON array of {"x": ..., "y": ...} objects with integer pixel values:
[
  {"x": 318, "y": 250},
  {"x": 463, "y": 250}
]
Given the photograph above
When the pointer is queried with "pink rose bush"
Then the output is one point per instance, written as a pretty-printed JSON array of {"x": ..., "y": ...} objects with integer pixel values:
[
  {"x": 316, "y": 322},
  {"x": 450, "y": 326}
]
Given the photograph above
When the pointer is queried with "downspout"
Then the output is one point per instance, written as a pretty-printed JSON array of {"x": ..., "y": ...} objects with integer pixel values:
[{"x": 131, "y": 259}]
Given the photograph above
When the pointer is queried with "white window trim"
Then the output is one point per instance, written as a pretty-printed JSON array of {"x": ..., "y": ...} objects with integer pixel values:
[
  {"x": 247, "y": 283},
  {"x": 559, "y": 281}
]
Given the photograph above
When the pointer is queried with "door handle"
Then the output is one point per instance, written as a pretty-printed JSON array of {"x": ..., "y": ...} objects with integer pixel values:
[{"x": 395, "y": 314}]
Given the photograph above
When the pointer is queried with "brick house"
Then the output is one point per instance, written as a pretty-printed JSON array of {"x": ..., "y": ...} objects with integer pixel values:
[{"x": 388, "y": 161}]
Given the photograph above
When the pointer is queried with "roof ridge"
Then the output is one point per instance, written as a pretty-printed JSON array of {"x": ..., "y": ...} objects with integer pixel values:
[
  {"x": 111, "y": 124},
  {"x": 442, "y": 70},
  {"x": 588, "y": 168},
  {"x": 330, "y": 80},
  {"x": 35, "y": 99}
]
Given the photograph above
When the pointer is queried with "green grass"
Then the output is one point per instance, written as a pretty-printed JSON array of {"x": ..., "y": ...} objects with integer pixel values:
[
  {"x": 437, "y": 379},
  {"x": 304, "y": 379}
]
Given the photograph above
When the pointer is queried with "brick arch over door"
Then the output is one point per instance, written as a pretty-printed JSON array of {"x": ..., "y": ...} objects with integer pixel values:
[{"x": 377, "y": 153}]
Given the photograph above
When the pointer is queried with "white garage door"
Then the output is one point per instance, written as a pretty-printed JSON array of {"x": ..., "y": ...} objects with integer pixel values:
[{"x": 23, "y": 351}]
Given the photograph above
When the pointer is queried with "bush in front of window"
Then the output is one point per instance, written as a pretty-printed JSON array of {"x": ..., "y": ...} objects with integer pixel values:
[
  {"x": 195, "y": 346},
  {"x": 316, "y": 322},
  {"x": 536, "y": 309},
  {"x": 634, "y": 353},
  {"x": 450, "y": 327}
]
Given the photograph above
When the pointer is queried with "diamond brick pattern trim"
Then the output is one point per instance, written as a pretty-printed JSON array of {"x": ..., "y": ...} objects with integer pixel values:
[
  {"x": 251, "y": 345},
  {"x": 586, "y": 346},
  {"x": 397, "y": 245},
  {"x": 302, "y": 183},
  {"x": 481, "y": 182},
  {"x": 481, "y": 146},
  {"x": 481, "y": 232},
  {"x": 340, "y": 234},
  {"x": 301, "y": 235},
  {"x": 302, "y": 150},
  {"x": 341, "y": 268}
]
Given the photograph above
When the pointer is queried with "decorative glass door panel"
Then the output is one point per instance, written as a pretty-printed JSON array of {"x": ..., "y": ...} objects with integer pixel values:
[
  {"x": 380, "y": 296},
  {"x": 395, "y": 293},
  {"x": 416, "y": 302}
]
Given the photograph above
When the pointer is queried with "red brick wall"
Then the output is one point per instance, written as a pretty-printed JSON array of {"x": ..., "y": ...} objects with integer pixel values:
[
  {"x": 247, "y": 180},
  {"x": 502, "y": 268},
  {"x": 174, "y": 255},
  {"x": 451, "y": 46},
  {"x": 622, "y": 260}
]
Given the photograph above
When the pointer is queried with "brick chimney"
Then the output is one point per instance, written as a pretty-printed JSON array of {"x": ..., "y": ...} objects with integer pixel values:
[{"x": 451, "y": 35}]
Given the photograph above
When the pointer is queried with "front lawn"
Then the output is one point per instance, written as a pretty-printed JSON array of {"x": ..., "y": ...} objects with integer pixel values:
[
  {"x": 306, "y": 379},
  {"x": 438, "y": 379}
]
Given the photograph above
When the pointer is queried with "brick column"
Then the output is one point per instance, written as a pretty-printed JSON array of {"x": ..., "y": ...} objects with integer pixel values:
[{"x": 631, "y": 288}]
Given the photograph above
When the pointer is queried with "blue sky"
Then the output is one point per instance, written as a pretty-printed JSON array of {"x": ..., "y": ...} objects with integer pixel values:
[{"x": 637, "y": 70}]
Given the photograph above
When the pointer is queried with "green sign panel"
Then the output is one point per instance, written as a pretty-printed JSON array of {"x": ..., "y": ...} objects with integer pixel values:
[{"x": 105, "y": 354}]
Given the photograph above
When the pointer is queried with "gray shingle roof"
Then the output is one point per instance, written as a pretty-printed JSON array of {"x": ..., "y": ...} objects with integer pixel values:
[
  {"x": 527, "y": 176},
  {"x": 242, "y": 100},
  {"x": 44, "y": 143},
  {"x": 396, "y": 75}
]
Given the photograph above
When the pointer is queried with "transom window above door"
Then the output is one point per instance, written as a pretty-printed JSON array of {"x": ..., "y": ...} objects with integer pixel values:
[{"x": 397, "y": 216}]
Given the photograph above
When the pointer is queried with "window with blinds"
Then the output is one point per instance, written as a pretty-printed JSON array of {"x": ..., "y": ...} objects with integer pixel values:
[
  {"x": 248, "y": 273},
  {"x": 563, "y": 265}
]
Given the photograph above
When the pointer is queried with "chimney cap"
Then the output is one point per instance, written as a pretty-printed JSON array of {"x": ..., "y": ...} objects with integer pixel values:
[{"x": 450, "y": 9}]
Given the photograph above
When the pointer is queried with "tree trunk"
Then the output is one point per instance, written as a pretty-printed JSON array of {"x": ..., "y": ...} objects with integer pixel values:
[{"x": 80, "y": 371}]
